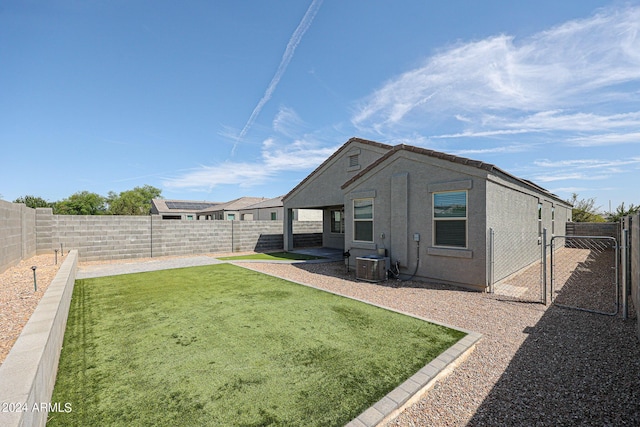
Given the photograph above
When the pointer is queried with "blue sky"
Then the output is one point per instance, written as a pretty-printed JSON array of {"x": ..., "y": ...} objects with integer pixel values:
[{"x": 212, "y": 100}]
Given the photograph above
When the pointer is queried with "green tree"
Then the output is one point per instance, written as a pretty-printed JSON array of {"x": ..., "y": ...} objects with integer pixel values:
[
  {"x": 133, "y": 202},
  {"x": 621, "y": 212},
  {"x": 81, "y": 203},
  {"x": 33, "y": 201},
  {"x": 585, "y": 210}
]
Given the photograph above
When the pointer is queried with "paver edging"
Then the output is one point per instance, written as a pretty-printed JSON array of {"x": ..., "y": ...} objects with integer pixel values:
[{"x": 414, "y": 392}]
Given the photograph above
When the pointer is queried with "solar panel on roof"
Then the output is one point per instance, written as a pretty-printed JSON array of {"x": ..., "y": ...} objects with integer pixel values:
[{"x": 189, "y": 206}]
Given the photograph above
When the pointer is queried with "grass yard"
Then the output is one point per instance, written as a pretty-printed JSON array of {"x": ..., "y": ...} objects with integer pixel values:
[
  {"x": 222, "y": 345},
  {"x": 274, "y": 256}
]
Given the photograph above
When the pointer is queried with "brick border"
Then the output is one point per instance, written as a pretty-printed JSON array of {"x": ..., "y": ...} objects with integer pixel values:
[{"x": 413, "y": 389}]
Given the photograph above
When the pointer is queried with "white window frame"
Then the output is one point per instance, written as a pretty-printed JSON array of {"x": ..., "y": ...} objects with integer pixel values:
[
  {"x": 465, "y": 219},
  {"x": 363, "y": 219}
]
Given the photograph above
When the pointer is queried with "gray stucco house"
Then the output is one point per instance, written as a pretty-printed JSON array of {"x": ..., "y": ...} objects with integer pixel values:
[{"x": 428, "y": 210}]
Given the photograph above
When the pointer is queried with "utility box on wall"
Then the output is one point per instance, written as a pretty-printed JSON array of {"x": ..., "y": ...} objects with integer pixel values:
[{"x": 372, "y": 268}]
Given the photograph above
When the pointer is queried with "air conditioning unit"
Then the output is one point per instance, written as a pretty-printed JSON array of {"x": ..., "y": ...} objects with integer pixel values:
[{"x": 372, "y": 268}]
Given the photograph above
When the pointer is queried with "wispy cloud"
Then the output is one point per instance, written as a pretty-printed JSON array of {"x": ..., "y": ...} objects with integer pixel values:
[
  {"x": 587, "y": 163},
  {"x": 275, "y": 157},
  {"x": 547, "y": 82},
  {"x": 515, "y": 148},
  {"x": 582, "y": 169},
  {"x": 548, "y": 121},
  {"x": 570, "y": 176},
  {"x": 606, "y": 139},
  {"x": 287, "y": 122},
  {"x": 293, "y": 43}
]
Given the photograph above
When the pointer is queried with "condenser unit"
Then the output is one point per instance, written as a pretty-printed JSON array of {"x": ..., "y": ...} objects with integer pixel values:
[{"x": 372, "y": 268}]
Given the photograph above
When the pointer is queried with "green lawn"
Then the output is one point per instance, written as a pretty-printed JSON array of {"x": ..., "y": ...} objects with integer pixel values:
[
  {"x": 274, "y": 256},
  {"x": 222, "y": 345}
]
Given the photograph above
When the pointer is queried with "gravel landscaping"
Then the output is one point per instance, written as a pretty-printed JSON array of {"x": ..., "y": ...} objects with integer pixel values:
[
  {"x": 535, "y": 365},
  {"x": 18, "y": 299}
]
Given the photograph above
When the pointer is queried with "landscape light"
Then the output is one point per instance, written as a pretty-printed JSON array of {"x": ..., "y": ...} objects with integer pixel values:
[{"x": 35, "y": 284}]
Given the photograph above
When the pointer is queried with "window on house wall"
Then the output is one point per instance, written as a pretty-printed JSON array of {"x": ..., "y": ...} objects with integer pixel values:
[
  {"x": 274, "y": 216},
  {"x": 363, "y": 220},
  {"x": 450, "y": 219},
  {"x": 337, "y": 221},
  {"x": 171, "y": 217},
  {"x": 190, "y": 217}
]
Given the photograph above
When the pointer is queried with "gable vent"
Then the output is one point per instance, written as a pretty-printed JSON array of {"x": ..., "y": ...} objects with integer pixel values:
[{"x": 353, "y": 160}]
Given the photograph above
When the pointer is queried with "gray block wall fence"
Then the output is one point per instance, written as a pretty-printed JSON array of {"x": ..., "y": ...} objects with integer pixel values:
[
  {"x": 25, "y": 232},
  {"x": 594, "y": 229},
  {"x": 17, "y": 233}
]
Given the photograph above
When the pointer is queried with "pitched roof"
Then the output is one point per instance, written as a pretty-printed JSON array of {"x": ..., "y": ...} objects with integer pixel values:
[
  {"x": 167, "y": 205},
  {"x": 233, "y": 205},
  {"x": 276, "y": 202},
  {"x": 334, "y": 155},
  {"x": 449, "y": 157}
]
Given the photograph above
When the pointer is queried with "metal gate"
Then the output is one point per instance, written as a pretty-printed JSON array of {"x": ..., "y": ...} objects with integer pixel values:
[
  {"x": 584, "y": 273},
  {"x": 516, "y": 266}
]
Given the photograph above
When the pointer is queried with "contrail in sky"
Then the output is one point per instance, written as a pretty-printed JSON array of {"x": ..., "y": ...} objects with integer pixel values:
[{"x": 304, "y": 25}]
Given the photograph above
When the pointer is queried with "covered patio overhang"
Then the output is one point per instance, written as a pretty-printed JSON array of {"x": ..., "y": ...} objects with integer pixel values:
[{"x": 332, "y": 226}]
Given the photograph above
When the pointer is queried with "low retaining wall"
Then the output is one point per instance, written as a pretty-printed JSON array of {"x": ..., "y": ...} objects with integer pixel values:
[{"x": 28, "y": 374}]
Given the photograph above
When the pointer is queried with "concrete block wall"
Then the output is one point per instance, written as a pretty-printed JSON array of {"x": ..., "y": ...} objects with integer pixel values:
[
  {"x": 307, "y": 234},
  {"x": 257, "y": 235},
  {"x": 44, "y": 227},
  {"x": 596, "y": 229},
  {"x": 103, "y": 237},
  {"x": 28, "y": 374},
  {"x": 190, "y": 237},
  {"x": 17, "y": 233}
]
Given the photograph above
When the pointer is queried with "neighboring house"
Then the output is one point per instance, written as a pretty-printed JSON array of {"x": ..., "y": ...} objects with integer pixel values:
[
  {"x": 428, "y": 210},
  {"x": 273, "y": 209},
  {"x": 229, "y": 211},
  {"x": 179, "y": 209}
]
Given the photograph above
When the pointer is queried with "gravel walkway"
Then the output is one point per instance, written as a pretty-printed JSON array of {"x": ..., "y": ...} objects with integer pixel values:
[{"x": 87, "y": 271}]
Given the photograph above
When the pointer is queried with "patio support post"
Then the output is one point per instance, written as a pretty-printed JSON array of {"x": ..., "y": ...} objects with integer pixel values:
[{"x": 287, "y": 232}]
